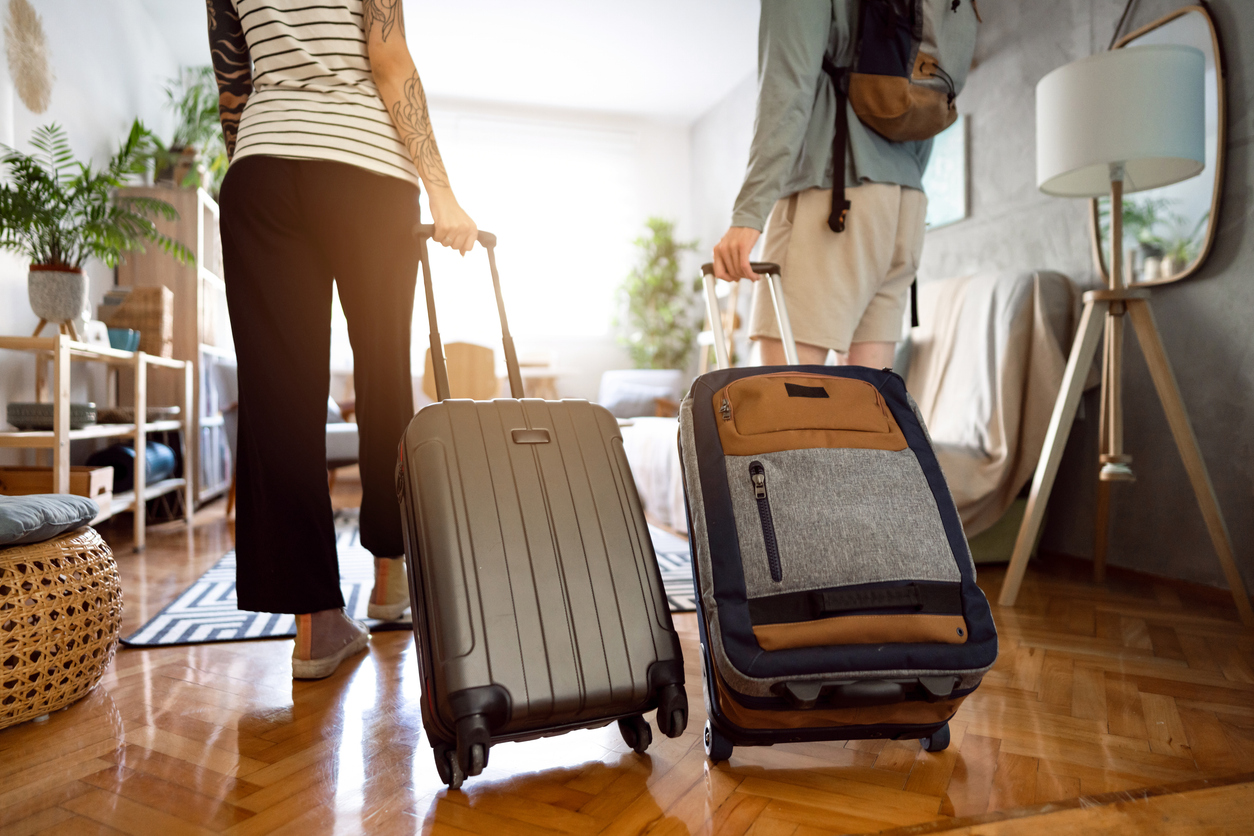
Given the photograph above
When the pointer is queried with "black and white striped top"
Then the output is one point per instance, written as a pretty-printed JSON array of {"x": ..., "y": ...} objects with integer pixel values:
[{"x": 313, "y": 94}]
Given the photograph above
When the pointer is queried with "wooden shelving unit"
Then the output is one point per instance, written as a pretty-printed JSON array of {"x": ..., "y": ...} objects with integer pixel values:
[
  {"x": 202, "y": 326},
  {"x": 62, "y": 351}
]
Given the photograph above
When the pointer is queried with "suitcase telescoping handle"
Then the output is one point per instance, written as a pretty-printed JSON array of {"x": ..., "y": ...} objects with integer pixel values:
[
  {"x": 488, "y": 240},
  {"x": 762, "y": 268}
]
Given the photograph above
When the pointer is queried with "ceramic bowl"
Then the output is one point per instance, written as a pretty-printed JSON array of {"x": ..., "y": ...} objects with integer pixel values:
[{"x": 38, "y": 416}]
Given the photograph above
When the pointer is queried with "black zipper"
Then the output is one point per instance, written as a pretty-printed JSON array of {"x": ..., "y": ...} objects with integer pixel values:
[{"x": 757, "y": 476}]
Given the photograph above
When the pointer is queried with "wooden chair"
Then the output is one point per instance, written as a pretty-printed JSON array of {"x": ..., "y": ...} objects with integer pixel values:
[{"x": 471, "y": 372}]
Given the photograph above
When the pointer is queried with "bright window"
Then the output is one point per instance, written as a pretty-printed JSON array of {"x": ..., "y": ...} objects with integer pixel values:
[{"x": 563, "y": 200}]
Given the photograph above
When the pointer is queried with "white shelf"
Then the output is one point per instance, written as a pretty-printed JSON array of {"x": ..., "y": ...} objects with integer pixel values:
[
  {"x": 40, "y": 439},
  {"x": 125, "y": 501},
  {"x": 61, "y": 350},
  {"x": 218, "y": 351}
]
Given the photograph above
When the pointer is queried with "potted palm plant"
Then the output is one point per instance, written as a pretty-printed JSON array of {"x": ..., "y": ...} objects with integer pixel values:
[
  {"x": 658, "y": 325},
  {"x": 58, "y": 212},
  {"x": 197, "y": 136}
]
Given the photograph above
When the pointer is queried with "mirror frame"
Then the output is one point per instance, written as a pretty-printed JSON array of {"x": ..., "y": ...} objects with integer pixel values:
[{"x": 1095, "y": 234}]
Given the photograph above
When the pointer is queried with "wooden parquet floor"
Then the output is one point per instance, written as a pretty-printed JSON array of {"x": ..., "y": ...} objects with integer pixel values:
[{"x": 1099, "y": 689}]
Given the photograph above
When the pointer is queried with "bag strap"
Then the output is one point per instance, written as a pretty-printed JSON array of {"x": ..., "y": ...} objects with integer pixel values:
[{"x": 840, "y": 142}]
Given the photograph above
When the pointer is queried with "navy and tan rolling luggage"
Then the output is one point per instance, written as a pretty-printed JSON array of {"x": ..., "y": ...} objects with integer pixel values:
[
  {"x": 536, "y": 596},
  {"x": 836, "y": 594}
]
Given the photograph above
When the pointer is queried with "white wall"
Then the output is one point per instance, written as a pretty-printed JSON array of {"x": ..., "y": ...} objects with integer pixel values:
[
  {"x": 720, "y": 154},
  {"x": 111, "y": 65}
]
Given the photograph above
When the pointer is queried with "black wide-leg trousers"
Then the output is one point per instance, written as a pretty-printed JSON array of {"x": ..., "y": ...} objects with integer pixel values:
[{"x": 290, "y": 228}]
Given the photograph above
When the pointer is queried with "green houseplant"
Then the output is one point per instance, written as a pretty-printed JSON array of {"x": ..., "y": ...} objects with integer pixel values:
[
  {"x": 58, "y": 212},
  {"x": 197, "y": 135},
  {"x": 659, "y": 323}
]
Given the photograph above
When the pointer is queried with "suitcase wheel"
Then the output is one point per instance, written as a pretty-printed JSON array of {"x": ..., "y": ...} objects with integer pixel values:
[
  {"x": 636, "y": 733},
  {"x": 717, "y": 747},
  {"x": 450, "y": 771},
  {"x": 938, "y": 742},
  {"x": 472, "y": 743},
  {"x": 672, "y": 711}
]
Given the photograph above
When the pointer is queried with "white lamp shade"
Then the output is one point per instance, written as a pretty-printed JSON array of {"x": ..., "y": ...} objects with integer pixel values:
[{"x": 1141, "y": 106}]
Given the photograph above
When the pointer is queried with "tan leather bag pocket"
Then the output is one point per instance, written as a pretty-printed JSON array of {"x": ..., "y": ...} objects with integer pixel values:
[
  {"x": 898, "y": 109},
  {"x": 793, "y": 410}
]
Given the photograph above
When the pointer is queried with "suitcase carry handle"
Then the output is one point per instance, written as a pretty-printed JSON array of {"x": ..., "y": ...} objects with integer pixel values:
[
  {"x": 771, "y": 271},
  {"x": 424, "y": 231},
  {"x": 487, "y": 239},
  {"x": 806, "y": 694}
]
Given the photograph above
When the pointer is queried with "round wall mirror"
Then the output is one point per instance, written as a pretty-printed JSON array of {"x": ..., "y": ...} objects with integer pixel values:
[{"x": 1168, "y": 232}]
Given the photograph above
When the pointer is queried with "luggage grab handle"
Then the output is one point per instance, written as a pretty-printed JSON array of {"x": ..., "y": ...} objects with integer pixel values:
[
  {"x": 424, "y": 231},
  {"x": 771, "y": 271}
]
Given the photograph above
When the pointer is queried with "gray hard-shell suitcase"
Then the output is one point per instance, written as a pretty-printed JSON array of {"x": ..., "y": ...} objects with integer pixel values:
[
  {"x": 537, "y": 600},
  {"x": 836, "y": 595}
]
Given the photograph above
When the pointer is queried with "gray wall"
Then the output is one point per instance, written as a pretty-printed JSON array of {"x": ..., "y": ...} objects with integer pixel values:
[{"x": 1205, "y": 321}]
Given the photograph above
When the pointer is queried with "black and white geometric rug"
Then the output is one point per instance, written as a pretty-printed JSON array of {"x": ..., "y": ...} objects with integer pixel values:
[
  {"x": 675, "y": 560},
  {"x": 207, "y": 611}
]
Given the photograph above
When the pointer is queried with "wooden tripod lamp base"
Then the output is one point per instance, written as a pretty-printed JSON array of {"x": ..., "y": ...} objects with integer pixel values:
[
  {"x": 1099, "y": 310},
  {"x": 1099, "y": 125}
]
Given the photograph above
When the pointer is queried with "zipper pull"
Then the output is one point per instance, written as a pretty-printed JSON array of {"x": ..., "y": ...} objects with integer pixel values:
[
  {"x": 758, "y": 475},
  {"x": 725, "y": 409}
]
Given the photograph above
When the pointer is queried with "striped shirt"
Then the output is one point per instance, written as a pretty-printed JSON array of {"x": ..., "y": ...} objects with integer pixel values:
[{"x": 314, "y": 97}]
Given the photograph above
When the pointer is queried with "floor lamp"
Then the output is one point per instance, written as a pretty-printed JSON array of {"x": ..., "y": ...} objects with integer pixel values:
[{"x": 1115, "y": 123}]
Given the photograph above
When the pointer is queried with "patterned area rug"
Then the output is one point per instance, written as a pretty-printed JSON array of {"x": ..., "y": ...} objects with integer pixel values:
[{"x": 207, "y": 611}]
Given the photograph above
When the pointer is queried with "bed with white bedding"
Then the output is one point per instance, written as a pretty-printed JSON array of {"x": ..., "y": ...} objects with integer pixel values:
[{"x": 652, "y": 448}]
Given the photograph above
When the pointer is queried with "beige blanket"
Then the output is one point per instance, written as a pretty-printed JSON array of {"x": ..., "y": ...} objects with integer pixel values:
[{"x": 986, "y": 364}]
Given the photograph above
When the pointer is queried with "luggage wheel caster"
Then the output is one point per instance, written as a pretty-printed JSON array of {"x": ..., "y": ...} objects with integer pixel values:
[
  {"x": 717, "y": 747},
  {"x": 636, "y": 733},
  {"x": 446, "y": 765},
  {"x": 672, "y": 711},
  {"x": 472, "y": 744},
  {"x": 938, "y": 742}
]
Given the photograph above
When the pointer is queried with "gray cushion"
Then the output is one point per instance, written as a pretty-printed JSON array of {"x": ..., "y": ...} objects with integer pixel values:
[
  {"x": 634, "y": 400},
  {"x": 342, "y": 442},
  {"x": 39, "y": 517}
]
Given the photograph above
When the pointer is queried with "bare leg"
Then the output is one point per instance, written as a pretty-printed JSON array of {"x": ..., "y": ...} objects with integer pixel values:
[
  {"x": 773, "y": 353},
  {"x": 877, "y": 355}
]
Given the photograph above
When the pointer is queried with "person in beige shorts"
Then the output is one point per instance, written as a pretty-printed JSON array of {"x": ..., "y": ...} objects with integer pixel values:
[{"x": 846, "y": 292}]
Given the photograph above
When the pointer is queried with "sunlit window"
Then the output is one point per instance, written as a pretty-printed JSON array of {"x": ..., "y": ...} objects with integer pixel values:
[{"x": 563, "y": 200}]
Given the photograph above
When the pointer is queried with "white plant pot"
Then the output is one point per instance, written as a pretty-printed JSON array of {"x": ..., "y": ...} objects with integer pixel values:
[{"x": 57, "y": 295}]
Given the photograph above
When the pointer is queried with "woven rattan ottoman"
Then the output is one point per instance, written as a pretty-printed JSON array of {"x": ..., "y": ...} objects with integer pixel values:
[{"x": 60, "y": 613}]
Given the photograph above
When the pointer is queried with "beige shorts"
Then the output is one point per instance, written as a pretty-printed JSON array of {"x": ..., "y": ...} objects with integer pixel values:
[{"x": 843, "y": 287}]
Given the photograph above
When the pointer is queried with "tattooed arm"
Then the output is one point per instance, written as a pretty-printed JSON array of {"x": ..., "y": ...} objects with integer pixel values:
[
  {"x": 231, "y": 66},
  {"x": 402, "y": 93}
]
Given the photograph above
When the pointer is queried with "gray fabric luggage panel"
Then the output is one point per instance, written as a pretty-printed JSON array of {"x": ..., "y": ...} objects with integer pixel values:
[{"x": 537, "y": 566}]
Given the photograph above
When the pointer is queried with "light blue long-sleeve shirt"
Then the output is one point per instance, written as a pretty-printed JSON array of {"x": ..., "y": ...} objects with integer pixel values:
[{"x": 796, "y": 115}]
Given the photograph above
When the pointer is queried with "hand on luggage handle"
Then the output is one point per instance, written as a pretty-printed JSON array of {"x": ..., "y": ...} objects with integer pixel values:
[
  {"x": 771, "y": 271},
  {"x": 487, "y": 239},
  {"x": 424, "y": 231}
]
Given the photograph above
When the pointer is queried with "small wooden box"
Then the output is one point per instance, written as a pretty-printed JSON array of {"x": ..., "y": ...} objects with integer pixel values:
[{"x": 92, "y": 482}]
